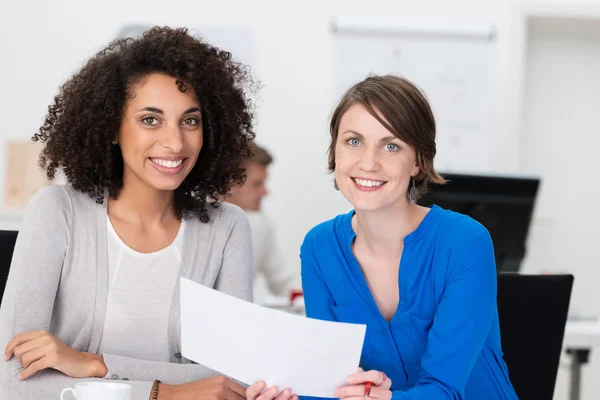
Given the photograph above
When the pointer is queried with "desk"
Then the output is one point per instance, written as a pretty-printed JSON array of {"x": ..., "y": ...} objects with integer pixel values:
[{"x": 580, "y": 337}]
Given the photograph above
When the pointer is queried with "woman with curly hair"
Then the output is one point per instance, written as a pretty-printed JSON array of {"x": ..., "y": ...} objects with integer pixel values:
[{"x": 149, "y": 134}]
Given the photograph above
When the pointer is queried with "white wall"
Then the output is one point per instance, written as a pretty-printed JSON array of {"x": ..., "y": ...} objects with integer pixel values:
[
  {"x": 561, "y": 80},
  {"x": 43, "y": 42}
]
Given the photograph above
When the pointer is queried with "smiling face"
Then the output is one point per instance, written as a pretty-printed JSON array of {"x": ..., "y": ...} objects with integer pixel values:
[
  {"x": 373, "y": 167},
  {"x": 161, "y": 133}
]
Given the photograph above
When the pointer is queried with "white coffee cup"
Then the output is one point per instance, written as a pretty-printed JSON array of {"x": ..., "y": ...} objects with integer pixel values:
[{"x": 99, "y": 391}]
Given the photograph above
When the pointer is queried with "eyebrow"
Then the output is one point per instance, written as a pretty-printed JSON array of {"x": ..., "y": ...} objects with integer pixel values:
[
  {"x": 386, "y": 139},
  {"x": 191, "y": 110},
  {"x": 159, "y": 111}
]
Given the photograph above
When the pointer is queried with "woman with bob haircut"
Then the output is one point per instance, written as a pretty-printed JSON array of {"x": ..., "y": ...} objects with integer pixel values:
[{"x": 423, "y": 280}]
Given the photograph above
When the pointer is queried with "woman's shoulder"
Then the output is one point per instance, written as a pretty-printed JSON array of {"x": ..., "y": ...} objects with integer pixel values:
[
  {"x": 223, "y": 216},
  {"x": 328, "y": 230},
  {"x": 459, "y": 230},
  {"x": 54, "y": 207},
  {"x": 455, "y": 223},
  {"x": 228, "y": 213},
  {"x": 59, "y": 198}
]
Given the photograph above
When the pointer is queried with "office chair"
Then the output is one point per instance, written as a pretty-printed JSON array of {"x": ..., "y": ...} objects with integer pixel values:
[
  {"x": 533, "y": 313},
  {"x": 7, "y": 245}
]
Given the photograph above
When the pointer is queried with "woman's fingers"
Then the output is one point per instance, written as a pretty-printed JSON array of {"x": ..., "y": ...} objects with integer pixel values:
[
  {"x": 19, "y": 339},
  {"x": 285, "y": 394},
  {"x": 258, "y": 391},
  {"x": 27, "y": 347},
  {"x": 39, "y": 365},
  {"x": 255, "y": 389},
  {"x": 376, "y": 377},
  {"x": 387, "y": 384},
  {"x": 350, "y": 391},
  {"x": 269, "y": 394},
  {"x": 32, "y": 356},
  {"x": 380, "y": 393},
  {"x": 356, "y": 389},
  {"x": 353, "y": 393}
]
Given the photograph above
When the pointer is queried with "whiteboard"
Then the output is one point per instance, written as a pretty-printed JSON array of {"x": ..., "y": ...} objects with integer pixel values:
[{"x": 452, "y": 70}]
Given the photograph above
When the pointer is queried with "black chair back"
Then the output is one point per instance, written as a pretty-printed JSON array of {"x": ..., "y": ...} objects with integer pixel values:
[
  {"x": 7, "y": 245},
  {"x": 533, "y": 313}
]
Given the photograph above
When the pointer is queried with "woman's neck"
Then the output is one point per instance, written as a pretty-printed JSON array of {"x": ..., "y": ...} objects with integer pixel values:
[
  {"x": 142, "y": 204},
  {"x": 382, "y": 232}
]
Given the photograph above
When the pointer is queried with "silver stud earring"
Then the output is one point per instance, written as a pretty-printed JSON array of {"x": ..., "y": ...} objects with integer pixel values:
[{"x": 413, "y": 193}]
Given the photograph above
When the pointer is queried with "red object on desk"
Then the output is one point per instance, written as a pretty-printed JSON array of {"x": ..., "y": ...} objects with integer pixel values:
[{"x": 294, "y": 294}]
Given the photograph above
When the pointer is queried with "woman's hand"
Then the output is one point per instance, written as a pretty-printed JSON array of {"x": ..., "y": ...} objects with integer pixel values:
[
  {"x": 215, "y": 388},
  {"x": 357, "y": 388},
  {"x": 259, "y": 391},
  {"x": 40, "y": 350}
]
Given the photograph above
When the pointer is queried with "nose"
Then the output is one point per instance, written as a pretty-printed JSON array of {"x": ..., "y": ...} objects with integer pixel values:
[
  {"x": 172, "y": 139},
  {"x": 369, "y": 160}
]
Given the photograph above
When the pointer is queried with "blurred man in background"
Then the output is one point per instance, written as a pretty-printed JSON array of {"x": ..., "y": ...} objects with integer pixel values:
[{"x": 268, "y": 262}]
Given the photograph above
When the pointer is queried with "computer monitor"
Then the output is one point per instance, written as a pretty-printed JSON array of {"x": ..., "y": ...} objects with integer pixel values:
[{"x": 503, "y": 204}]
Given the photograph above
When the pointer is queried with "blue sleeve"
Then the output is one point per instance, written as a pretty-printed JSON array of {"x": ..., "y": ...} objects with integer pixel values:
[
  {"x": 317, "y": 298},
  {"x": 461, "y": 323}
]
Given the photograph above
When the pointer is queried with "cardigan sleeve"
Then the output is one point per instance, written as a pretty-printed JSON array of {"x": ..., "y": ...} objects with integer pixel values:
[
  {"x": 30, "y": 292},
  {"x": 317, "y": 297}
]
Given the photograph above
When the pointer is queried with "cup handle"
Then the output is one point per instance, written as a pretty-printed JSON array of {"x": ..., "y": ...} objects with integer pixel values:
[{"x": 65, "y": 391}]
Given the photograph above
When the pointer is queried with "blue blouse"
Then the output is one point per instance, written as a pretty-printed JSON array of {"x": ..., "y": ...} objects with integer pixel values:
[{"x": 443, "y": 342}]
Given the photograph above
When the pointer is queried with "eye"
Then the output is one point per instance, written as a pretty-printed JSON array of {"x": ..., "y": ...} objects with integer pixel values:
[
  {"x": 353, "y": 142},
  {"x": 391, "y": 147},
  {"x": 150, "y": 120},
  {"x": 190, "y": 121}
]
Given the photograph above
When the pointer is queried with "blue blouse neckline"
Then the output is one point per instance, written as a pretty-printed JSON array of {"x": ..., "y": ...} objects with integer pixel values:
[{"x": 419, "y": 232}]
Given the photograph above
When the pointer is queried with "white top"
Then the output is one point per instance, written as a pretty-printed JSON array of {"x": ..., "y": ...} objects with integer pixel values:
[
  {"x": 271, "y": 277},
  {"x": 140, "y": 289}
]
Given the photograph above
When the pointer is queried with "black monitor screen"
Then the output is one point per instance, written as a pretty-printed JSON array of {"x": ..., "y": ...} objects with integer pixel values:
[{"x": 504, "y": 205}]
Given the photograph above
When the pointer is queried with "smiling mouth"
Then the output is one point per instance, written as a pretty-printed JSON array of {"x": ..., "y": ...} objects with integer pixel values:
[
  {"x": 167, "y": 163},
  {"x": 368, "y": 183}
]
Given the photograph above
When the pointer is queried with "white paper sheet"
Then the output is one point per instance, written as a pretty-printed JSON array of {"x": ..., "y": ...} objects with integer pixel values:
[{"x": 248, "y": 343}]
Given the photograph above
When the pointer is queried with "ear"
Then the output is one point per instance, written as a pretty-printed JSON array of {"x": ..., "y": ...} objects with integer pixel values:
[{"x": 415, "y": 170}]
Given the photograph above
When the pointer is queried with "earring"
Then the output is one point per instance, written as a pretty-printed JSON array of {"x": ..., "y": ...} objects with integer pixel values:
[
  {"x": 413, "y": 193},
  {"x": 114, "y": 141}
]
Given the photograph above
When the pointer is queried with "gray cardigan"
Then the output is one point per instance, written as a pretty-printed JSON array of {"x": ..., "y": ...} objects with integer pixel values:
[{"x": 58, "y": 283}]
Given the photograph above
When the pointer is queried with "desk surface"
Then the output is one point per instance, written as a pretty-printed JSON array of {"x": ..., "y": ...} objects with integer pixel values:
[{"x": 582, "y": 334}]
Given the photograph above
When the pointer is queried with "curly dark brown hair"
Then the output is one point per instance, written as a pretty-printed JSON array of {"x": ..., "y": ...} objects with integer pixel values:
[{"x": 86, "y": 116}]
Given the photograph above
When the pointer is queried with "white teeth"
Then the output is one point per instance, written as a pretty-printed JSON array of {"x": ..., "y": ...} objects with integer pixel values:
[
  {"x": 166, "y": 163},
  {"x": 367, "y": 183}
]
